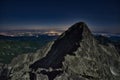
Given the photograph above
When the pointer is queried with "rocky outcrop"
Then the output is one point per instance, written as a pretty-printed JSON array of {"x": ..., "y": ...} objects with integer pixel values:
[
  {"x": 67, "y": 43},
  {"x": 75, "y": 55},
  {"x": 19, "y": 67}
]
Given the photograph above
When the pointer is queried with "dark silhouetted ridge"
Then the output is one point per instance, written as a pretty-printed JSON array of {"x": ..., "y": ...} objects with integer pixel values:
[{"x": 67, "y": 43}]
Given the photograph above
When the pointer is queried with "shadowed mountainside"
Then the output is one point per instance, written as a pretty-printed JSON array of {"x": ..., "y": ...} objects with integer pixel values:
[
  {"x": 75, "y": 55},
  {"x": 68, "y": 42}
]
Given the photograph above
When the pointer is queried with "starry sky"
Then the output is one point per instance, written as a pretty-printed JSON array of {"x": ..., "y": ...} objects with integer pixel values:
[{"x": 99, "y": 15}]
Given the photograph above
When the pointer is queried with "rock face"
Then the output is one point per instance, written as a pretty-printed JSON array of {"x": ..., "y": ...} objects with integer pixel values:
[
  {"x": 68, "y": 42},
  {"x": 75, "y": 55}
]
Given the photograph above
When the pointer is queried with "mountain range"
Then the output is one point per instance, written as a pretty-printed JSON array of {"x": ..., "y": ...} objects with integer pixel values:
[{"x": 75, "y": 55}]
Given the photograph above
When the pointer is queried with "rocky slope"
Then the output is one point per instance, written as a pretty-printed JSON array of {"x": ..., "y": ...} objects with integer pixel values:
[{"x": 75, "y": 55}]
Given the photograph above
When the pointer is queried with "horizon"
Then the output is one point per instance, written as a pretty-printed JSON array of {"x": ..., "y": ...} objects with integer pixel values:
[{"x": 49, "y": 30}]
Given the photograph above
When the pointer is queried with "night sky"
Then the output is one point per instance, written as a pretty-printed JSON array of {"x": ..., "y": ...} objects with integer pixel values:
[{"x": 100, "y": 15}]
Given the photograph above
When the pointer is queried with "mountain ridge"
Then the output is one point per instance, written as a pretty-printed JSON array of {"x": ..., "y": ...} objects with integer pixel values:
[
  {"x": 74, "y": 34},
  {"x": 75, "y": 55},
  {"x": 77, "y": 37}
]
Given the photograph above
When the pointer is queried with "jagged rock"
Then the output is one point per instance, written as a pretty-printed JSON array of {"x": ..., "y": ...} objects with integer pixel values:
[
  {"x": 80, "y": 54},
  {"x": 75, "y": 55},
  {"x": 20, "y": 65}
]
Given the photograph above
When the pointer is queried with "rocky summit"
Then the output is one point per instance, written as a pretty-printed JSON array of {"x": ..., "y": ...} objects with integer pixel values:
[
  {"x": 75, "y": 55},
  {"x": 67, "y": 43}
]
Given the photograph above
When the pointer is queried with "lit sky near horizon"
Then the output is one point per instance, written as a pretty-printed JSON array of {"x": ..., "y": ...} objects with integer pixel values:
[{"x": 100, "y": 15}]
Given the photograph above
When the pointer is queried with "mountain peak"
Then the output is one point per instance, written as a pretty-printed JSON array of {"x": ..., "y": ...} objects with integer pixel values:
[
  {"x": 79, "y": 25},
  {"x": 67, "y": 43},
  {"x": 83, "y": 26},
  {"x": 75, "y": 55},
  {"x": 78, "y": 29}
]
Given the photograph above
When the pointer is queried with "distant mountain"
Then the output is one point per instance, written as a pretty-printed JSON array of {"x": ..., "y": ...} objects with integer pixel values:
[
  {"x": 107, "y": 34},
  {"x": 75, "y": 55},
  {"x": 17, "y": 33}
]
